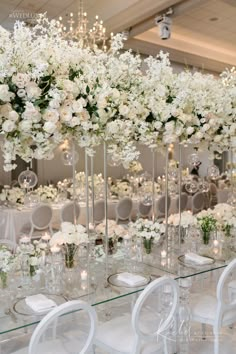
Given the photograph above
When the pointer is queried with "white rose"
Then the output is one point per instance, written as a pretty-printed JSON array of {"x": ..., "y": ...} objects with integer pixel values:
[
  {"x": 199, "y": 135},
  {"x": 5, "y": 94},
  {"x": 13, "y": 115},
  {"x": 25, "y": 125},
  {"x": 190, "y": 130},
  {"x": 51, "y": 115},
  {"x": 102, "y": 102},
  {"x": 123, "y": 109},
  {"x": 205, "y": 127},
  {"x": 49, "y": 127},
  {"x": 65, "y": 114},
  {"x": 20, "y": 80},
  {"x": 78, "y": 106},
  {"x": 68, "y": 227},
  {"x": 32, "y": 90},
  {"x": 8, "y": 126},
  {"x": 31, "y": 113}
]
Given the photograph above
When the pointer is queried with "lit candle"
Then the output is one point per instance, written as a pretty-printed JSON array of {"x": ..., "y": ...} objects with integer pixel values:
[
  {"x": 215, "y": 250},
  {"x": 163, "y": 254},
  {"x": 55, "y": 249},
  {"x": 84, "y": 275},
  {"x": 216, "y": 243},
  {"x": 163, "y": 262},
  {"x": 46, "y": 237}
]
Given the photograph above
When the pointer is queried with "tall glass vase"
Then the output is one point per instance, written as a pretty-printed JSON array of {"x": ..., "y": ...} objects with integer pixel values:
[
  {"x": 87, "y": 190},
  {"x": 106, "y": 205}
]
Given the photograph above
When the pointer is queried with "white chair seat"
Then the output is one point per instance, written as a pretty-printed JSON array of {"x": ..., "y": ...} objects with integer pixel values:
[
  {"x": 206, "y": 306},
  {"x": 124, "y": 343}
]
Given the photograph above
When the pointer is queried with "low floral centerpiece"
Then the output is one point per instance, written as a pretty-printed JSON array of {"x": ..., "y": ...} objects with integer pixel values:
[
  {"x": 6, "y": 263},
  {"x": 47, "y": 193},
  {"x": 69, "y": 239},
  {"x": 121, "y": 189},
  {"x": 187, "y": 219},
  {"x": 115, "y": 232},
  {"x": 13, "y": 195},
  {"x": 207, "y": 224},
  {"x": 149, "y": 231}
]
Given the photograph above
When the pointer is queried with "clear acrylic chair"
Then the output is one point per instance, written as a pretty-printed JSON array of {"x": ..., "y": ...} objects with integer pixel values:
[
  {"x": 145, "y": 329},
  {"x": 40, "y": 219},
  {"x": 124, "y": 209},
  {"x": 68, "y": 210},
  {"x": 62, "y": 330},
  {"x": 218, "y": 311}
]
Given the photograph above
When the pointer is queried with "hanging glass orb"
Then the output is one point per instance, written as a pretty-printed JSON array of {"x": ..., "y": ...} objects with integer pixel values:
[
  {"x": 213, "y": 172},
  {"x": 27, "y": 179},
  {"x": 67, "y": 157},
  {"x": 113, "y": 161},
  {"x": 191, "y": 186},
  {"x": 203, "y": 186},
  {"x": 194, "y": 160}
]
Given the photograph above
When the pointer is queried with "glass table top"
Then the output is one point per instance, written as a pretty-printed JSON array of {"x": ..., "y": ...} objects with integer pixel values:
[{"x": 95, "y": 289}]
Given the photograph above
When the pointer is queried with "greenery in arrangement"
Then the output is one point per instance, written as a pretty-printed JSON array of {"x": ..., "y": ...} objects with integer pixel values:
[{"x": 207, "y": 224}]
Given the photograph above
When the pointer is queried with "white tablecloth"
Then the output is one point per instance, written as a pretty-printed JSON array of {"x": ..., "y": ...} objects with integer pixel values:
[
  {"x": 223, "y": 195},
  {"x": 12, "y": 221}
]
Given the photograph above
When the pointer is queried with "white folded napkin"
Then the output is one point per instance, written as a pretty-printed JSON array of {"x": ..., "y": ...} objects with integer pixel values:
[
  {"x": 131, "y": 279},
  {"x": 39, "y": 303},
  {"x": 193, "y": 257}
]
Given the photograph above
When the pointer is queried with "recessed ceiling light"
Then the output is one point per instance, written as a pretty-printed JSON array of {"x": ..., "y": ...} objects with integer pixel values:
[{"x": 214, "y": 19}]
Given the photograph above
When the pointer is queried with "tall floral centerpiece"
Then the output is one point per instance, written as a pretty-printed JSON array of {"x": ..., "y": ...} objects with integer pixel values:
[
  {"x": 149, "y": 231},
  {"x": 69, "y": 238}
]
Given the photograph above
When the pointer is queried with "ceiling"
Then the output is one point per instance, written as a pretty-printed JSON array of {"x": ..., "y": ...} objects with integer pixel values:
[{"x": 203, "y": 31}]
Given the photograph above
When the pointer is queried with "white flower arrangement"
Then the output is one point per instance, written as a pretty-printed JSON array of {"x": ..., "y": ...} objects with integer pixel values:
[
  {"x": 69, "y": 239},
  {"x": 114, "y": 230},
  {"x": 147, "y": 229},
  {"x": 69, "y": 234},
  {"x": 187, "y": 219},
  {"x": 134, "y": 166},
  {"x": 121, "y": 189},
  {"x": 6, "y": 259},
  {"x": 47, "y": 193},
  {"x": 13, "y": 195},
  {"x": 224, "y": 216},
  {"x": 51, "y": 90}
]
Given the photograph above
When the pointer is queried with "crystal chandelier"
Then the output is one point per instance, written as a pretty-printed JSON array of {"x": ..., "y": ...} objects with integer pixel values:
[{"x": 79, "y": 32}]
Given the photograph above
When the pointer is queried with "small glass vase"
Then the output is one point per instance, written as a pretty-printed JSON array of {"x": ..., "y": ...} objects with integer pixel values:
[
  {"x": 206, "y": 237},
  {"x": 70, "y": 252},
  {"x": 147, "y": 242}
]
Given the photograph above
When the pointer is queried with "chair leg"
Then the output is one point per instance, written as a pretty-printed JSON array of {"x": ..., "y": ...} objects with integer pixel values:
[
  {"x": 216, "y": 343},
  {"x": 203, "y": 331}
]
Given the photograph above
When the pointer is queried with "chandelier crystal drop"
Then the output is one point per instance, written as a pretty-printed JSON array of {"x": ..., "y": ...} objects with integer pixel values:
[{"x": 94, "y": 37}]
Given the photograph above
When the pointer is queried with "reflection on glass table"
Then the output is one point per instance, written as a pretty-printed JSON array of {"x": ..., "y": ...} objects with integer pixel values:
[{"x": 89, "y": 282}]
